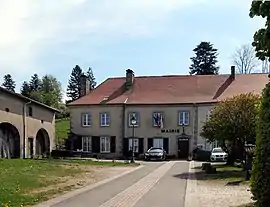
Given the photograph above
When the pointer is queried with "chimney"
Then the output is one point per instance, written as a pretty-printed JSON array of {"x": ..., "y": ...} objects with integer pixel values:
[
  {"x": 233, "y": 72},
  {"x": 129, "y": 78},
  {"x": 84, "y": 85}
]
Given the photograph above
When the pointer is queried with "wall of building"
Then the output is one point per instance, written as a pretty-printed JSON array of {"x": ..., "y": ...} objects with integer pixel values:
[
  {"x": 203, "y": 113},
  {"x": 115, "y": 128},
  {"x": 12, "y": 110},
  {"x": 171, "y": 116}
]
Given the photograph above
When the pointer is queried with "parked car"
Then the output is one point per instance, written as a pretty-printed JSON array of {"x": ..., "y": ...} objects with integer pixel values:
[
  {"x": 218, "y": 154},
  {"x": 155, "y": 153}
]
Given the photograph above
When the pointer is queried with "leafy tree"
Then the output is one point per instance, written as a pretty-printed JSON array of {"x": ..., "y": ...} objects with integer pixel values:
[
  {"x": 25, "y": 89},
  {"x": 73, "y": 88},
  {"x": 91, "y": 78},
  {"x": 231, "y": 123},
  {"x": 261, "y": 38},
  {"x": 205, "y": 60},
  {"x": 260, "y": 179},
  {"x": 9, "y": 83},
  {"x": 50, "y": 91},
  {"x": 245, "y": 60}
]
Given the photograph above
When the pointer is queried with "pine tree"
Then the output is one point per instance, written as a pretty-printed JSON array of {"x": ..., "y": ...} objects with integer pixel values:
[
  {"x": 25, "y": 89},
  {"x": 73, "y": 88},
  {"x": 92, "y": 78},
  {"x": 205, "y": 59},
  {"x": 9, "y": 83},
  {"x": 260, "y": 179},
  {"x": 34, "y": 83}
]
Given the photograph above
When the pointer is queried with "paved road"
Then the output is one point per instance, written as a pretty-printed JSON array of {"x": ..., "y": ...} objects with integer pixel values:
[{"x": 154, "y": 185}]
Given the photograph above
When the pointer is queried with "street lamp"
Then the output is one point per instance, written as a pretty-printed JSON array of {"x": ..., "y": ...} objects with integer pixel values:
[
  {"x": 133, "y": 123},
  {"x": 183, "y": 127}
]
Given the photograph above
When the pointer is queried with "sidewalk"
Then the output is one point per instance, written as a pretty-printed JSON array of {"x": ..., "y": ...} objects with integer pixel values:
[{"x": 100, "y": 194}]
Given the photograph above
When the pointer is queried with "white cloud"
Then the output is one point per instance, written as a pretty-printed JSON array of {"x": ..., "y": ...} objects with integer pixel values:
[{"x": 27, "y": 24}]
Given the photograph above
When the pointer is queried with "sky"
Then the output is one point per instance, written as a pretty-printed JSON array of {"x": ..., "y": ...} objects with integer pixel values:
[{"x": 153, "y": 37}]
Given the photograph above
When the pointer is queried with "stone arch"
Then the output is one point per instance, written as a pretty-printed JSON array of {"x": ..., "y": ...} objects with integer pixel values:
[
  {"x": 9, "y": 141},
  {"x": 42, "y": 142}
]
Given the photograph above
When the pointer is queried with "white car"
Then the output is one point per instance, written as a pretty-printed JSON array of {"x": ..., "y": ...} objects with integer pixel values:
[{"x": 218, "y": 154}]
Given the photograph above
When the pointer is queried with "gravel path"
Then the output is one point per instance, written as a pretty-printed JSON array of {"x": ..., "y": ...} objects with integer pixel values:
[{"x": 218, "y": 195}]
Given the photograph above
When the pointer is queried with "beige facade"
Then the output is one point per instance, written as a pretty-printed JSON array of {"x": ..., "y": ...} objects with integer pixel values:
[
  {"x": 120, "y": 128},
  {"x": 27, "y": 128}
]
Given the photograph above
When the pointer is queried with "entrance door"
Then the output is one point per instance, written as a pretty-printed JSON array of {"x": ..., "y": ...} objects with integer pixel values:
[
  {"x": 31, "y": 147},
  {"x": 183, "y": 147}
]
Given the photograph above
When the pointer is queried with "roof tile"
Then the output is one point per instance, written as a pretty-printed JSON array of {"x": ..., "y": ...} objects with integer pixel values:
[{"x": 175, "y": 89}]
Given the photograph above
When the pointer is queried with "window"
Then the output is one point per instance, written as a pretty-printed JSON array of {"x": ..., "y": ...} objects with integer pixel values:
[
  {"x": 30, "y": 111},
  {"x": 136, "y": 117},
  {"x": 105, "y": 144},
  {"x": 104, "y": 119},
  {"x": 158, "y": 119},
  {"x": 86, "y": 144},
  {"x": 135, "y": 144},
  {"x": 215, "y": 144},
  {"x": 86, "y": 120},
  {"x": 183, "y": 118},
  {"x": 158, "y": 142}
]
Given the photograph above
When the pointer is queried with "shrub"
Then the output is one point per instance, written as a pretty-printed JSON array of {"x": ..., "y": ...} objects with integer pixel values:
[{"x": 260, "y": 179}]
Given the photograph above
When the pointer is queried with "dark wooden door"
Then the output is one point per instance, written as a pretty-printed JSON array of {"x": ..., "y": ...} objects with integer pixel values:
[
  {"x": 31, "y": 147},
  {"x": 183, "y": 148}
]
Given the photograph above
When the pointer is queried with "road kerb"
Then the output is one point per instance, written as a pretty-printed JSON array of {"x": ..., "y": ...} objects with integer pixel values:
[{"x": 191, "y": 197}]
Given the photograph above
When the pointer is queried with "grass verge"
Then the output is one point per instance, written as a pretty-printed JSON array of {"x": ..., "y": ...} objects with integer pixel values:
[
  {"x": 21, "y": 180},
  {"x": 224, "y": 173}
]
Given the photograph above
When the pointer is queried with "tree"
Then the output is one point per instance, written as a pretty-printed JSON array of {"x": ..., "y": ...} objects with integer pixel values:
[
  {"x": 91, "y": 78},
  {"x": 74, "y": 88},
  {"x": 25, "y": 89},
  {"x": 231, "y": 123},
  {"x": 260, "y": 179},
  {"x": 205, "y": 60},
  {"x": 261, "y": 38},
  {"x": 9, "y": 83},
  {"x": 34, "y": 83},
  {"x": 50, "y": 91},
  {"x": 244, "y": 59}
]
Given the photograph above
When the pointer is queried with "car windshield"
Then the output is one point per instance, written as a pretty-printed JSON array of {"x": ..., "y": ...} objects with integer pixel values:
[
  {"x": 217, "y": 150},
  {"x": 155, "y": 150}
]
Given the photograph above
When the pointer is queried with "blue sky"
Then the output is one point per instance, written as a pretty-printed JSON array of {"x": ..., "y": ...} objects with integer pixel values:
[{"x": 152, "y": 37}]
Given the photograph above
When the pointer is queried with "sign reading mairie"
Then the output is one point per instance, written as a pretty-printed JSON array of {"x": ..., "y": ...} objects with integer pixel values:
[{"x": 170, "y": 130}]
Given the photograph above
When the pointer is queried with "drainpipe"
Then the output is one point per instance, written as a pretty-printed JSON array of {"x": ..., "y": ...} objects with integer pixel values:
[
  {"x": 124, "y": 125},
  {"x": 24, "y": 127}
]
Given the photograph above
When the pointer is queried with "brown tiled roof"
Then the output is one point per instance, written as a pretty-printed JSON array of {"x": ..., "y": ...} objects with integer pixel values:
[{"x": 173, "y": 89}]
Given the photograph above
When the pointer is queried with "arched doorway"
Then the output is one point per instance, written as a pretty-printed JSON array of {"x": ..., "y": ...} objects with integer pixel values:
[
  {"x": 42, "y": 142},
  {"x": 9, "y": 141}
]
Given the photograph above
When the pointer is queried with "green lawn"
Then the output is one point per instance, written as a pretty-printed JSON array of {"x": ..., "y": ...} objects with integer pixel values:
[
  {"x": 62, "y": 127},
  {"x": 224, "y": 172},
  {"x": 21, "y": 179}
]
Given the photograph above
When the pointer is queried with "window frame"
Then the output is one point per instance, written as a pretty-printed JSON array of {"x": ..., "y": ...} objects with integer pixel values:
[
  {"x": 86, "y": 122},
  {"x": 153, "y": 121},
  {"x": 136, "y": 117},
  {"x": 88, "y": 143},
  {"x": 108, "y": 139},
  {"x": 106, "y": 118},
  {"x": 179, "y": 118},
  {"x": 135, "y": 146},
  {"x": 159, "y": 140}
]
